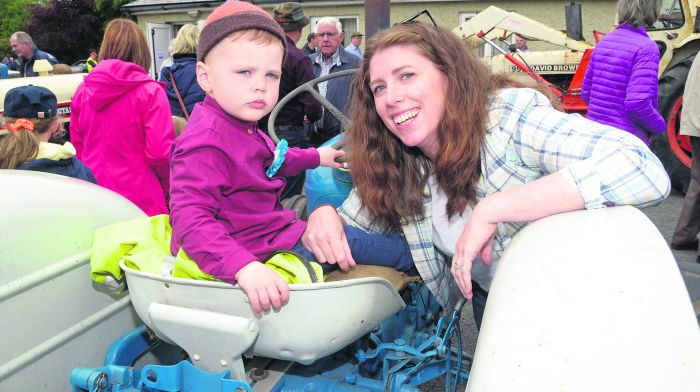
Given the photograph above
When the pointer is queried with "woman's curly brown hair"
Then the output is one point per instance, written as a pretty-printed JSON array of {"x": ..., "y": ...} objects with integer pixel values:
[{"x": 391, "y": 177}]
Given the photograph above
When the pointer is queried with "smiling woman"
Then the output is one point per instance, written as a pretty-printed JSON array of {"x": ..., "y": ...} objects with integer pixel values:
[
  {"x": 409, "y": 94},
  {"x": 459, "y": 160}
]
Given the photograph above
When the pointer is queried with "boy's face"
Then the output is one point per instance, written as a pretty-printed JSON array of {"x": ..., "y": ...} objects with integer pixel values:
[{"x": 243, "y": 77}]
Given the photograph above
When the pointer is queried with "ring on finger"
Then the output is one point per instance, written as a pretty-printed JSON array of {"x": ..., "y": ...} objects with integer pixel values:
[{"x": 458, "y": 266}]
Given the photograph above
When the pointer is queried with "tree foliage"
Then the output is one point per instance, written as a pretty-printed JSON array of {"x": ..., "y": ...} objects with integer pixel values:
[
  {"x": 14, "y": 16},
  {"x": 68, "y": 29},
  {"x": 110, "y": 9}
]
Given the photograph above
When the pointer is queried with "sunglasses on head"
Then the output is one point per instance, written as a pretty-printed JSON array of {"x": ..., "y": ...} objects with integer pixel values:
[{"x": 412, "y": 18}]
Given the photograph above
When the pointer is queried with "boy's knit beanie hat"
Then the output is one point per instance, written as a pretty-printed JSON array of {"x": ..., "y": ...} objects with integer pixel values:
[{"x": 233, "y": 16}]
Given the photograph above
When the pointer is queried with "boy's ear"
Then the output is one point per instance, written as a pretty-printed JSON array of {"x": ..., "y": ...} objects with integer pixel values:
[{"x": 203, "y": 77}]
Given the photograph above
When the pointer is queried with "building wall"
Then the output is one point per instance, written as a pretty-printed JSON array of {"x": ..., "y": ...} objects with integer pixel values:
[{"x": 597, "y": 14}]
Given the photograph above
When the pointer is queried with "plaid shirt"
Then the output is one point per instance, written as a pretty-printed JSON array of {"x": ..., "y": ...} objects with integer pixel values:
[{"x": 527, "y": 139}]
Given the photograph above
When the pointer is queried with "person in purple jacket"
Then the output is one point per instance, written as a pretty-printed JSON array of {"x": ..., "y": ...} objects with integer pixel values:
[
  {"x": 227, "y": 175},
  {"x": 620, "y": 85}
]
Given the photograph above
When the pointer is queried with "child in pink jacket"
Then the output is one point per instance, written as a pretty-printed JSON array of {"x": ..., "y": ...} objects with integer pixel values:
[{"x": 121, "y": 124}]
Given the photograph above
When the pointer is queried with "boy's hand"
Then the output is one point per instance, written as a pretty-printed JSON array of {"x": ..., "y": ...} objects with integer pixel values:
[
  {"x": 329, "y": 155},
  {"x": 263, "y": 287}
]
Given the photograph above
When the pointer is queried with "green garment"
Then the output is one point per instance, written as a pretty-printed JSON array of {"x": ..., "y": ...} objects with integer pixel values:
[{"x": 144, "y": 243}]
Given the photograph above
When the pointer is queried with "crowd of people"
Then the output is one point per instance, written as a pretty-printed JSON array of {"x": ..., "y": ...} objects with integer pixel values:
[{"x": 449, "y": 161}]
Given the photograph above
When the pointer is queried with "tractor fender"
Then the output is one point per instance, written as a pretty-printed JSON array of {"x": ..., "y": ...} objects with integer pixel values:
[{"x": 588, "y": 301}]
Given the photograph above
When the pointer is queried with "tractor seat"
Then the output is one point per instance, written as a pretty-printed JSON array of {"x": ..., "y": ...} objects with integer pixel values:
[{"x": 215, "y": 324}]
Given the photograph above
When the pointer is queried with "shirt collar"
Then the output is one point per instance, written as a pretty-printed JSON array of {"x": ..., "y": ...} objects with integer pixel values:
[
  {"x": 638, "y": 30},
  {"x": 334, "y": 60},
  {"x": 238, "y": 124}
]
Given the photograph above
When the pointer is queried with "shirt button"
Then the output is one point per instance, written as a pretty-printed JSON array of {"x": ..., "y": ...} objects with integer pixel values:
[{"x": 250, "y": 132}]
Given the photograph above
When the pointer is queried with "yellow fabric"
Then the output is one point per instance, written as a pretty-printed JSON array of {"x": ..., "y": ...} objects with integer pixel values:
[
  {"x": 289, "y": 267},
  {"x": 144, "y": 243},
  {"x": 55, "y": 152},
  {"x": 141, "y": 243},
  {"x": 187, "y": 268},
  {"x": 90, "y": 63}
]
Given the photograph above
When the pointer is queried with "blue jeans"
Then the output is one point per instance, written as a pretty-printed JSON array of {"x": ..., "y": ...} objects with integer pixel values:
[
  {"x": 478, "y": 303},
  {"x": 388, "y": 250}
]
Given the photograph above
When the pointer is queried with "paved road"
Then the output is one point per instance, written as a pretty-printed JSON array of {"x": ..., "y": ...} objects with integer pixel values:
[{"x": 664, "y": 217}]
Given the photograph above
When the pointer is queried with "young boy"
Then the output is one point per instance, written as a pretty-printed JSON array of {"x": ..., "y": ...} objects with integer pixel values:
[{"x": 225, "y": 209}]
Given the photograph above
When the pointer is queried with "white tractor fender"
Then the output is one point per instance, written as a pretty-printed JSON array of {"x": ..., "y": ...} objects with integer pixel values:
[{"x": 588, "y": 301}]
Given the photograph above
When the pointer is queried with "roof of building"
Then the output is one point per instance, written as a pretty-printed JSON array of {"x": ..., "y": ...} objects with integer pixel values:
[{"x": 165, "y": 5}]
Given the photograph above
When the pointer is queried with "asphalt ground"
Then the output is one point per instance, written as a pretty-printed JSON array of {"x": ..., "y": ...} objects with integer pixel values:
[{"x": 664, "y": 217}]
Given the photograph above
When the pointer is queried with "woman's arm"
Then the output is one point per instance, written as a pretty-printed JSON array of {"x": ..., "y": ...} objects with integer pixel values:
[
  {"x": 608, "y": 166},
  {"x": 641, "y": 94},
  {"x": 582, "y": 164},
  {"x": 549, "y": 195},
  {"x": 324, "y": 234}
]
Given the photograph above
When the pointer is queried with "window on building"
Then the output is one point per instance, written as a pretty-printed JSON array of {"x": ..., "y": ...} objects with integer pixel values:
[{"x": 350, "y": 25}]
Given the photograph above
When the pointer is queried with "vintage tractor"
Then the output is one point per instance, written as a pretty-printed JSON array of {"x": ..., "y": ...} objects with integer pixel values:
[
  {"x": 360, "y": 334},
  {"x": 546, "y": 328},
  {"x": 677, "y": 33}
]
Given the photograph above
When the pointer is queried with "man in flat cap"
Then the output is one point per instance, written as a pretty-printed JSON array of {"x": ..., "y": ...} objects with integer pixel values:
[
  {"x": 355, "y": 42},
  {"x": 296, "y": 71}
]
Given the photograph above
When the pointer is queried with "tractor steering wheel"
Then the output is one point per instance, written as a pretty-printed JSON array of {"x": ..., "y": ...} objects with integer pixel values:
[{"x": 309, "y": 87}]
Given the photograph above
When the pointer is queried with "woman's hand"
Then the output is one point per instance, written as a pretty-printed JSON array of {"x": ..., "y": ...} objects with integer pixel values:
[
  {"x": 263, "y": 287},
  {"x": 476, "y": 238},
  {"x": 325, "y": 237},
  {"x": 549, "y": 195},
  {"x": 329, "y": 155}
]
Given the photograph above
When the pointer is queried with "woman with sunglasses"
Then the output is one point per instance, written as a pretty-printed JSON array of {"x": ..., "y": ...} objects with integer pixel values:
[{"x": 459, "y": 160}]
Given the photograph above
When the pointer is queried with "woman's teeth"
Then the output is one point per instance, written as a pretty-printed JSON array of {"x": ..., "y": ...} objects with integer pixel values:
[{"x": 405, "y": 116}]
